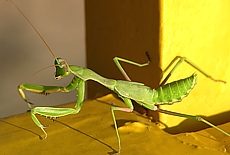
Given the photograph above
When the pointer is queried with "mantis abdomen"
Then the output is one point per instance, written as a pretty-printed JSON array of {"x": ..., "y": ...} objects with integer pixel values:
[{"x": 175, "y": 91}]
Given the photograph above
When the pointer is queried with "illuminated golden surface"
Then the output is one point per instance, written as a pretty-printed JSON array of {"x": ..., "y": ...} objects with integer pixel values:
[{"x": 91, "y": 131}]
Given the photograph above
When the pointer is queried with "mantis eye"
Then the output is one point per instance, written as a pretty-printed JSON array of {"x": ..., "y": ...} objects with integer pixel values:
[{"x": 63, "y": 64}]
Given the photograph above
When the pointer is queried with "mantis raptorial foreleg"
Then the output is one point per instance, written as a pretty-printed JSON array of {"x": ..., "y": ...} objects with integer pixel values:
[
  {"x": 51, "y": 111},
  {"x": 40, "y": 89}
]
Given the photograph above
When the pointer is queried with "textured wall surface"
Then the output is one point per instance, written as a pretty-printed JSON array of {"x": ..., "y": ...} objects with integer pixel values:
[{"x": 198, "y": 30}]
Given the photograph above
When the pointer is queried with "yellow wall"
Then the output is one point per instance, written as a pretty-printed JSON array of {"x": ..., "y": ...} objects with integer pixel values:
[{"x": 199, "y": 30}]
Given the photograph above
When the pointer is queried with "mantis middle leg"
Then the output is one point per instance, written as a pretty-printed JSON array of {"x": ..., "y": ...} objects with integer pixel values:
[
  {"x": 117, "y": 59},
  {"x": 129, "y": 104}
]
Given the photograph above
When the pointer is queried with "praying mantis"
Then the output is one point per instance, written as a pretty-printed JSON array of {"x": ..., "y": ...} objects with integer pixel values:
[{"x": 126, "y": 90}]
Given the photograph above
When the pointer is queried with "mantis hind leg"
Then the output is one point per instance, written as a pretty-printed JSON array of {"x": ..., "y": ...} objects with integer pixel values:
[
  {"x": 117, "y": 59},
  {"x": 184, "y": 59},
  {"x": 192, "y": 117}
]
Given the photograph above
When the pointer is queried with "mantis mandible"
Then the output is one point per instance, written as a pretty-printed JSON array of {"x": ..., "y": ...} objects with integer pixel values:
[{"x": 126, "y": 90}]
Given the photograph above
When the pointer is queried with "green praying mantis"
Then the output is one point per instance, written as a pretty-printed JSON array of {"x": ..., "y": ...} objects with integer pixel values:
[{"x": 126, "y": 90}]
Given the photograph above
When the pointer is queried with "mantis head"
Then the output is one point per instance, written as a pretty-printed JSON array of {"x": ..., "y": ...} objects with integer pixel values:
[{"x": 62, "y": 68}]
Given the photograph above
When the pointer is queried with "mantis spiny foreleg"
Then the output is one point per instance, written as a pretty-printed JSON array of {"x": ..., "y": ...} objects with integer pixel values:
[
  {"x": 50, "y": 111},
  {"x": 40, "y": 89}
]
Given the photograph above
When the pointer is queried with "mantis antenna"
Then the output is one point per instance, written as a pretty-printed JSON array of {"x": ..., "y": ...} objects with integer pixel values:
[
  {"x": 34, "y": 29},
  {"x": 42, "y": 69}
]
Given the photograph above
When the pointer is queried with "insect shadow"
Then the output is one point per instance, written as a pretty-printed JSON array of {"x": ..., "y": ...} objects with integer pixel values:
[
  {"x": 188, "y": 125},
  {"x": 110, "y": 153},
  {"x": 30, "y": 131}
]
